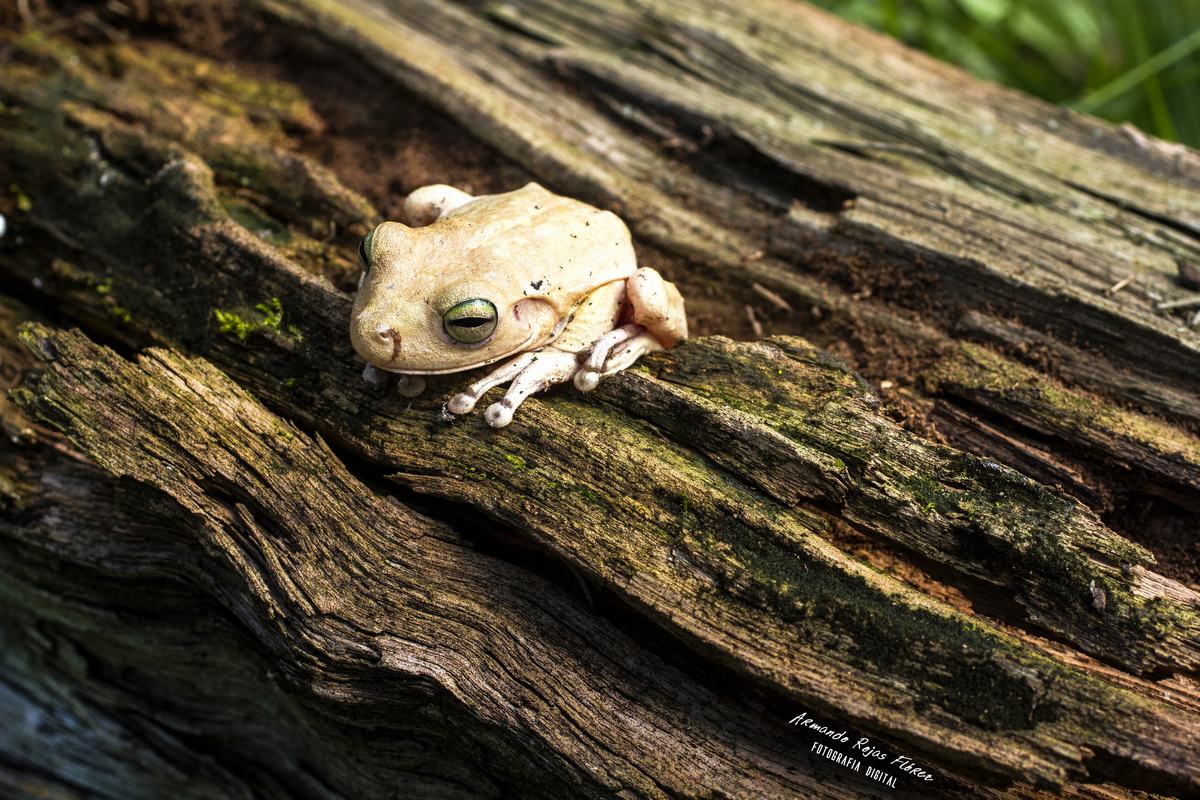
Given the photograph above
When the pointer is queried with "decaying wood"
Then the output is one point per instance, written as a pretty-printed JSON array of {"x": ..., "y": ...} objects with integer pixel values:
[
  {"x": 367, "y": 604},
  {"x": 767, "y": 151}
]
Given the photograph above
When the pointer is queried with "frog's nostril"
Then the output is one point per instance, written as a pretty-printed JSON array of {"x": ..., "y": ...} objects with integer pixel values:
[
  {"x": 388, "y": 336},
  {"x": 376, "y": 342}
]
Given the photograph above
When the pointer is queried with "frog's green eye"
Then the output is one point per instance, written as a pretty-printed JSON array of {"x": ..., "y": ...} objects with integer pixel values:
[
  {"x": 364, "y": 251},
  {"x": 470, "y": 321}
]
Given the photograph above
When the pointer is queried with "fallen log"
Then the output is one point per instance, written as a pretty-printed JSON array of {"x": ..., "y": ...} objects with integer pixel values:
[{"x": 711, "y": 494}]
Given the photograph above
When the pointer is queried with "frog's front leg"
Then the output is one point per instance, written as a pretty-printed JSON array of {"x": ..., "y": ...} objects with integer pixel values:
[
  {"x": 547, "y": 368},
  {"x": 406, "y": 386},
  {"x": 464, "y": 402},
  {"x": 529, "y": 374}
]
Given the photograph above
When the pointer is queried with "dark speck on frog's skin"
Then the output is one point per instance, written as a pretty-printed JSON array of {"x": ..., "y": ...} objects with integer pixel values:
[{"x": 536, "y": 284}]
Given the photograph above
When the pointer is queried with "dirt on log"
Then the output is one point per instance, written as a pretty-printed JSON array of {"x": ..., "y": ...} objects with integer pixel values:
[{"x": 929, "y": 474}]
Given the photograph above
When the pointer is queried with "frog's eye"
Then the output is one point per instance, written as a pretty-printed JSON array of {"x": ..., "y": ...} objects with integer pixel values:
[
  {"x": 364, "y": 251},
  {"x": 470, "y": 321}
]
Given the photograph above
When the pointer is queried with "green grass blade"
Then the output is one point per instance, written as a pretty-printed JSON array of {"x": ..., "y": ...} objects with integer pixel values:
[{"x": 1141, "y": 73}]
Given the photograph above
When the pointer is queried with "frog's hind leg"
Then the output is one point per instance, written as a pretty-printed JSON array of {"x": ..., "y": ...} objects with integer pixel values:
[
  {"x": 657, "y": 306},
  {"x": 628, "y": 352},
  {"x": 593, "y": 367},
  {"x": 657, "y": 322},
  {"x": 428, "y": 204}
]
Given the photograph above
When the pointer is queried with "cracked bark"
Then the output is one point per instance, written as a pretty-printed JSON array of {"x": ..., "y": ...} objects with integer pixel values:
[{"x": 703, "y": 497}]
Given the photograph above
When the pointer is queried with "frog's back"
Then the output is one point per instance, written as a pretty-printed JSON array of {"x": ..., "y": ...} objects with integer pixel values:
[{"x": 539, "y": 244}]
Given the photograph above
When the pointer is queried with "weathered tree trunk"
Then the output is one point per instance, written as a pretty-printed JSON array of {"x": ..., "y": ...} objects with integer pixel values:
[{"x": 948, "y": 506}]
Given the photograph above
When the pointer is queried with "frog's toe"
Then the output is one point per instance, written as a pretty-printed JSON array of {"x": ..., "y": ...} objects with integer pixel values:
[
  {"x": 586, "y": 380},
  {"x": 500, "y": 413},
  {"x": 628, "y": 352},
  {"x": 588, "y": 376},
  {"x": 410, "y": 385},
  {"x": 605, "y": 344},
  {"x": 462, "y": 403}
]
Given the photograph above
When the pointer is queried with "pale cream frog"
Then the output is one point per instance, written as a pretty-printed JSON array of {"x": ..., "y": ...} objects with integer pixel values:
[{"x": 549, "y": 282}]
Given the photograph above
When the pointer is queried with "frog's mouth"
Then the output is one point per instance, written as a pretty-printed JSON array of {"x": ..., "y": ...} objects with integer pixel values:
[{"x": 521, "y": 348}]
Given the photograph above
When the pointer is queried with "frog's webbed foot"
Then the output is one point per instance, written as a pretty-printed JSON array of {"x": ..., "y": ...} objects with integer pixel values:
[
  {"x": 406, "y": 386},
  {"x": 614, "y": 351},
  {"x": 525, "y": 375}
]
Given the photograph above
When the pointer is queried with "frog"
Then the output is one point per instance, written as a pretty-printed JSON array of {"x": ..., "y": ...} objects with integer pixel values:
[{"x": 543, "y": 288}]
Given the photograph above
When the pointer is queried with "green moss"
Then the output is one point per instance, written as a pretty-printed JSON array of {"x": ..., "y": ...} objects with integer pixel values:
[
  {"x": 30, "y": 40},
  {"x": 272, "y": 313},
  {"x": 120, "y": 313},
  {"x": 995, "y": 695},
  {"x": 102, "y": 287},
  {"x": 230, "y": 90},
  {"x": 515, "y": 460},
  {"x": 974, "y": 673},
  {"x": 787, "y": 385},
  {"x": 230, "y": 323},
  {"x": 270, "y": 320},
  {"x": 929, "y": 495},
  {"x": 1016, "y": 527},
  {"x": 590, "y": 495},
  {"x": 24, "y": 204},
  {"x": 978, "y": 369}
]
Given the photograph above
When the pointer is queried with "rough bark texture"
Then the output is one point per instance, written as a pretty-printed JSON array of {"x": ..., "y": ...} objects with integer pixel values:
[{"x": 949, "y": 501}]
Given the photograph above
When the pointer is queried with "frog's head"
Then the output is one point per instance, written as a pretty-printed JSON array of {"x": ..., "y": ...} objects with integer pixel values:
[{"x": 421, "y": 310}]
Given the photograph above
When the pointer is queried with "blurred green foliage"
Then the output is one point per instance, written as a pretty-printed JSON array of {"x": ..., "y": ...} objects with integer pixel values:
[{"x": 1127, "y": 60}]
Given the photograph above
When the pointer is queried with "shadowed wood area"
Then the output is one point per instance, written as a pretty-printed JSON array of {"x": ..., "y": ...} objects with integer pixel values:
[{"x": 929, "y": 472}]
